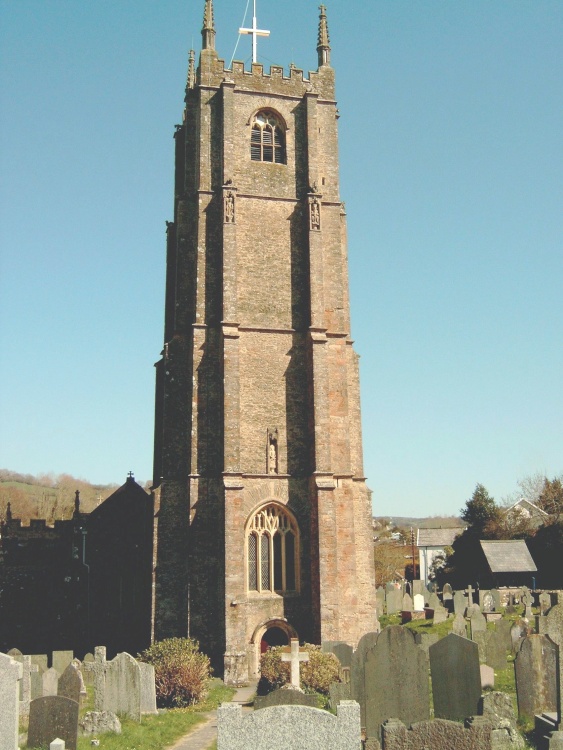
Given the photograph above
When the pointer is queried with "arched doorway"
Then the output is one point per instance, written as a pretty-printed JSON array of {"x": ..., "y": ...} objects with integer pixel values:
[
  {"x": 276, "y": 632},
  {"x": 273, "y": 637}
]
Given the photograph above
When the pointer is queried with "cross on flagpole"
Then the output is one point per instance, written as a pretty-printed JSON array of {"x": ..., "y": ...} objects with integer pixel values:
[
  {"x": 255, "y": 32},
  {"x": 295, "y": 656}
]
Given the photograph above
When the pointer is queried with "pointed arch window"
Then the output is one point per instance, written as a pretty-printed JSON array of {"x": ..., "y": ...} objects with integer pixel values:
[
  {"x": 272, "y": 550},
  {"x": 267, "y": 139}
]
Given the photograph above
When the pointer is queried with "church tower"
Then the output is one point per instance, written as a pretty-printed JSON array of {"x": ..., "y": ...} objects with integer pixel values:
[{"x": 263, "y": 515}]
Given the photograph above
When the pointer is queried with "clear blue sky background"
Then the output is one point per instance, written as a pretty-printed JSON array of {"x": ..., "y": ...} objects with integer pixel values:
[{"x": 451, "y": 168}]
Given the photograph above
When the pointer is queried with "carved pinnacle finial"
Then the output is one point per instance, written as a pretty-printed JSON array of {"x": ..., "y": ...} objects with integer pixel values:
[
  {"x": 77, "y": 502},
  {"x": 208, "y": 30},
  {"x": 323, "y": 47},
  {"x": 190, "y": 84}
]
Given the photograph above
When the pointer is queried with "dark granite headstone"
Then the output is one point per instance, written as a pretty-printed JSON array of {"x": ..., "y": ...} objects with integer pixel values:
[
  {"x": 396, "y": 680},
  {"x": 52, "y": 717},
  {"x": 357, "y": 671},
  {"x": 70, "y": 683},
  {"x": 456, "y": 678},
  {"x": 535, "y": 668}
]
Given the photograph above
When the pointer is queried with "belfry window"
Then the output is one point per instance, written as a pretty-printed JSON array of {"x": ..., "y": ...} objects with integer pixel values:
[
  {"x": 272, "y": 549},
  {"x": 267, "y": 140}
]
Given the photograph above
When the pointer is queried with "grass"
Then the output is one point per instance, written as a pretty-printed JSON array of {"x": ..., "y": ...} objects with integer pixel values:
[{"x": 157, "y": 731}]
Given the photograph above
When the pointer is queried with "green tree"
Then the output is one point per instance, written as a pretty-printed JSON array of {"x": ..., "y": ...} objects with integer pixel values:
[
  {"x": 481, "y": 513},
  {"x": 551, "y": 498}
]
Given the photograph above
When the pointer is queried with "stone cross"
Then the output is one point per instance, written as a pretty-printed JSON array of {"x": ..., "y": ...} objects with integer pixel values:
[
  {"x": 469, "y": 596},
  {"x": 294, "y": 656}
]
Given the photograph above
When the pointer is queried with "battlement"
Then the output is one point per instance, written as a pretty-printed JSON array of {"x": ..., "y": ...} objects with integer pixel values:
[{"x": 212, "y": 72}]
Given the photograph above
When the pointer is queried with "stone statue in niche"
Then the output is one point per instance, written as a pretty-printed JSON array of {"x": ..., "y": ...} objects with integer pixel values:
[
  {"x": 315, "y": 214},
  {"x": 229, "y": 208},
  {"x": 272, "y": 451}
]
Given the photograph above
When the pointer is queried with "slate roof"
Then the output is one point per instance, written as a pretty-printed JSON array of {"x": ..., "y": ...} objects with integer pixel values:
[
  {"x": 510, "y": 556},
  {"x": 437, "y": 537}
]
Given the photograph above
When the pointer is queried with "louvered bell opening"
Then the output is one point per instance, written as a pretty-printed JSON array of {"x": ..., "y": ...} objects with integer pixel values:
[
  {"x": 255, "y": 145},
  {"x": 268, "y": 153},
  {"x": 278, "y": 147}
]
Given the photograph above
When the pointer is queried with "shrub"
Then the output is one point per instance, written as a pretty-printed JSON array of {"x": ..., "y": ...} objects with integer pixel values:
[
  {"x": 181, "y": 671},
  {"x": 317, "y": 674}
]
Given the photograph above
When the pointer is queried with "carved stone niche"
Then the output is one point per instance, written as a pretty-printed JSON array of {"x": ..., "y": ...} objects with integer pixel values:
[
  {"x": 272, "y": 450},
  {"x": 314, "y": 213},
  {"x": 229, "y": 203}
]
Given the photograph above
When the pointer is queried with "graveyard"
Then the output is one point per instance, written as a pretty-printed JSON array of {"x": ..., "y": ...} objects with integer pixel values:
[{"x": 483, "y": 673}]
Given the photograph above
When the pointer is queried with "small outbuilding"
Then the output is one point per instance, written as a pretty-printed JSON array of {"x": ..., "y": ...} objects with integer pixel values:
[
  {"x": 510, "y": 563},
  {"x": 431, "y": 543}
]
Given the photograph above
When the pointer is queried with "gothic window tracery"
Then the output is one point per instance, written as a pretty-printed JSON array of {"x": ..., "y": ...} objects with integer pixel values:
[
  {"x": 272, "y": 548},
  {"x": 267, "y": 140}
]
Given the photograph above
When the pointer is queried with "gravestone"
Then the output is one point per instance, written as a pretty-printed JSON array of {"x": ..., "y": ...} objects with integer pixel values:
[
  {"x": 535, "y": 669},
  {"x": 439, "y": 734},
  {"x": 286, "y": 696},
  {"x": 52, "y": 717},
  {"x": 61, "y": 660},
  {"x": 544, "y": 602},
  {"x": 338, "y": 691},
  {"x": 98, "y": 667},
  {"x": 425, "y": 640},
  {"x": 380, "y": 601},
  {"x": 417, "y": 586},
  {"x": 41, "y": 661},
  {"x": 148, "y": 688},
  {"x": 36, "y": 685},
  {"x": 16, "y": 654},
  {"x": 487, "y": 676},
  {"x": 481, "y": 638},
  {"x": 10, "y": 675},
  {"x": 488, "y": 602},
  {"x": 518, "y": 631},
  {"x": 503, "y": 628},
  {"x": 447, "y": 593},
  {"x": 407, "y": 604},
  {"x": 554, "y": 629},
  {"x": 495, "y": 593},
  {"x": 25, "y": 684},
  {"x": 510, "y": 608},
  {"x": 418, "y": 603},
  {"x": 343, "y": 652},
  {"x": 99, "y": 722},
  {"x": 70, "y": 683},
  {"x": 396, "y": 680},
  {"x": 357, "y": 671},
  {"x": 456, "y": 678},
  {"x": 434, "y": 601},
  {"x": 57, "y": 744},
  {"x": 286, "y": 727},
  {"x": 440, "y": 615},
  {"x": 122, "y": 693},
  {"x": 496, "y": 650},
  {"x": 477, "y": 622},
  {"x": 394, "y": 600},
  {"x": 460, "y": 603},
  {"x": 50, "y": 680},
  {"x": 294, "y": 656},
  {"x": 459, "y": 626}
]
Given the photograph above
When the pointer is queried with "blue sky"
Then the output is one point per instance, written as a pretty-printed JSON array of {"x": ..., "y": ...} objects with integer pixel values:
[{"x": 451, "y": 169}]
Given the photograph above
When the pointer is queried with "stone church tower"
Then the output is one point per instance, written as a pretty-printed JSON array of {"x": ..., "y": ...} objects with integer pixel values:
[{"x": 263, "y": 515}]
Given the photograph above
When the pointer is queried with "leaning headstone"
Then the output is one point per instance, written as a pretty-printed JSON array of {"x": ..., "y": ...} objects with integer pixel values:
[
  {"x": 456, "y": 678},
  {"x": 148, "y": 688},
  {"x": 52, "y": 717},
  {"x": 357, "y": 671},
  {"x": 61, "y": 660},
  {"x": 99, "y": 722},
  {"x": 535, "y": 669},
  {"x": 396, "y": 680},
  {"x": 70, "y": 683},
  {"x": 284, "y": 727},
  {"x": 418, "y": 602},
  {"x": 123, "y": 687},
  {"x": 487, "y": 676},
  {"x": 50, "y": 682},
  {"x": 10, "y": 675},
  {"x": 460, "y": 603}
]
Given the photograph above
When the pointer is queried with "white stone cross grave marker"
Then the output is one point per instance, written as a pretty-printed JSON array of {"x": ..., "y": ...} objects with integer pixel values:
[{"x": 295, "y": 656}]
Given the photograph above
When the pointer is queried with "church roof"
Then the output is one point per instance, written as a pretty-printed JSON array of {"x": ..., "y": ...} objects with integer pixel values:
[
  {"x": 509, "y": 556},
  {"x": 437, "y": 537}
]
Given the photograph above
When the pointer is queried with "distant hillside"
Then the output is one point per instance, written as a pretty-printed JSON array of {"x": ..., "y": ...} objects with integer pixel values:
[
  {"x": 47, "y": 496},
  {"x": 432, "y": 522}
]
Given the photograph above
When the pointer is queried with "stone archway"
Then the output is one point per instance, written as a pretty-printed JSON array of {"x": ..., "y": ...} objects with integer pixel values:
[{"x": 271, "y": 633}]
